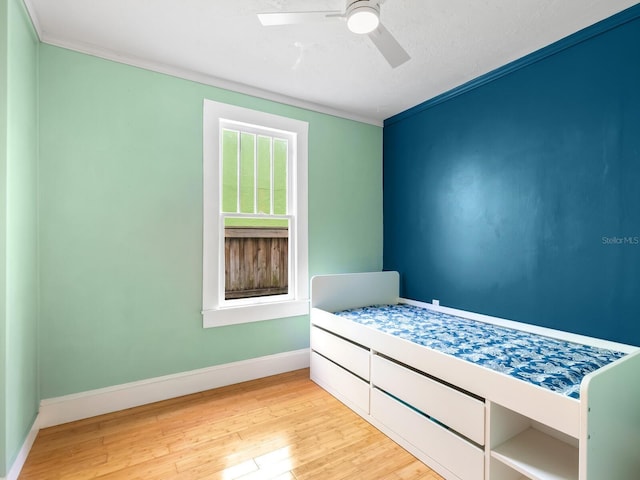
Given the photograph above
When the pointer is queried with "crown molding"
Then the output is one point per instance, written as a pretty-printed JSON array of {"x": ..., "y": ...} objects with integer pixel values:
[
  {"x": 580, "y": 36},
  {"x": 203, "y": 78},
  {"x": 187, "y": 74},
  {"x": 31, "y": 11}
]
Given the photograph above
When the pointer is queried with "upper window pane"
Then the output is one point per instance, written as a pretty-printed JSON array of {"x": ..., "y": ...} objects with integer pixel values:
[
  {"x": 255, "y": 174},
  {"x": 264, "y": 174},
  {"x": 280, "y": 161},
  {"x": 247, "y": 173},
  {"x": 229, "y": 171}
]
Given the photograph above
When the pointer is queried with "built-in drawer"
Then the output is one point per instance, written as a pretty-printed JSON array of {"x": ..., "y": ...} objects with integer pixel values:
[
  {"x": 461, "y": 412},
  {"x": 454, "y": 453},
  {"x": 348, "y": 388},
  {"x": 345, "y": 353}
]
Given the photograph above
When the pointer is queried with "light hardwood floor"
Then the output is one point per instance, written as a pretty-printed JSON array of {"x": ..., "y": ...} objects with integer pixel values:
[{"x": 282, "y": 427}]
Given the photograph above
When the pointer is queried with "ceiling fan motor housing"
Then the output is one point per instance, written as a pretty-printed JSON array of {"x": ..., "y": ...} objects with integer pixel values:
[
  {"x": 363, "y": 16},
  {"x": 375, "y": 4}
]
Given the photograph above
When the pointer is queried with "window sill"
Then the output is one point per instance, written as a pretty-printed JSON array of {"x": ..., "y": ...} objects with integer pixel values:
[{"x": 254, "y": 313}]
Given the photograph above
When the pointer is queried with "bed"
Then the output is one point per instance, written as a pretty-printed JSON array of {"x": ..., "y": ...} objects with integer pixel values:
[{"x": 452, "y": 388}]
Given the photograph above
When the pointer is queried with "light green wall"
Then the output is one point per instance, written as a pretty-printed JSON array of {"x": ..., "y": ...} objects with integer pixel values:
[
  {"x": 20, "y": 265},
  {"x": 121, "y": 223},
  {"x": 4, "y": 30}
]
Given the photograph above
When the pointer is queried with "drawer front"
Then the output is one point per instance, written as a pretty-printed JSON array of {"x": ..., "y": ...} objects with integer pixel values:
[
  {"x": 344, "y": 353},
  {"x": 462, "y": 458},
  {"x": 460, "y": 412},
  {"x": 348, "y": 388}
]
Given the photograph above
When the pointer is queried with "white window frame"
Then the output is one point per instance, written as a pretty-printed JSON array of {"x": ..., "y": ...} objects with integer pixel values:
[{"x": 216, "y": 311}]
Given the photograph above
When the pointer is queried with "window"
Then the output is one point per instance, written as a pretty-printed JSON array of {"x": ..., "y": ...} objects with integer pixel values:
[{"x": 255, "y": 216}]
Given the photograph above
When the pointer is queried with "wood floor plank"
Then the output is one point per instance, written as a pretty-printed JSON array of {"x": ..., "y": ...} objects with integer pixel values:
[{"x": 282, "y": 427}]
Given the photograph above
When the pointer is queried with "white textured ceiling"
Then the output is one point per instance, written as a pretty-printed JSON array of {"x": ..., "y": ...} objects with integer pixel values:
[{"x": 320, "y": 65}]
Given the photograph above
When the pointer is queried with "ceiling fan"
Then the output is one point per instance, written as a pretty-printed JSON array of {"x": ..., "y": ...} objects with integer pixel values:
[{"x": 362, "y": 16}]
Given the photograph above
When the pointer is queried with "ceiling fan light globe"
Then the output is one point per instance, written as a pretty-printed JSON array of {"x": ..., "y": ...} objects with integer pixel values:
[{"x": 363, "y": 19}]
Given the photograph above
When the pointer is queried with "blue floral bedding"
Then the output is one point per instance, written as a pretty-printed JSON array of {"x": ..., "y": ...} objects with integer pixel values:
[{"x": 550, "y": 363}]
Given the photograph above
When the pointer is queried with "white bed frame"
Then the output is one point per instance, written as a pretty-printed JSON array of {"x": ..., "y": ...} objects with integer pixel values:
[{"x": 463, "y": 420}]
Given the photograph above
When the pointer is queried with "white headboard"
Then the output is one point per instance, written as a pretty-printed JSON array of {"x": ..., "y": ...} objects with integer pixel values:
[{"x": 351, "y": 290}]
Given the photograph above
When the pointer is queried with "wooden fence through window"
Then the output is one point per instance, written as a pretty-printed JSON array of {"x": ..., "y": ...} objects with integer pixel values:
[{"x": 256, "y": 261}]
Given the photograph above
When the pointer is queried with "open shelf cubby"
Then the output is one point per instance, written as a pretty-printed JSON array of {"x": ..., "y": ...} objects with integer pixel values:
[{"x": 524, "y": 449}]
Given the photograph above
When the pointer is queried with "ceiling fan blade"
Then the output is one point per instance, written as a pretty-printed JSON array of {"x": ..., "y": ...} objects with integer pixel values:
[
  {"x": 389, "y": 46},
  {"x": 292, "y": 18}
]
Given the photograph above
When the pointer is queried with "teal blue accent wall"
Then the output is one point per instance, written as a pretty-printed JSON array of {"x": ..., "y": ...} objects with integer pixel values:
[
  {"x": 19, "y": 233},
  {"x": 518, "y": 196},
  {"x": 121, "y": 223}
]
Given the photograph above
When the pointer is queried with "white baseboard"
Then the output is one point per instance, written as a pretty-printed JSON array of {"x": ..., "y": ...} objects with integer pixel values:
[
  {"x": 18, "y": 463},
  {"x": 55, "y": 411}
]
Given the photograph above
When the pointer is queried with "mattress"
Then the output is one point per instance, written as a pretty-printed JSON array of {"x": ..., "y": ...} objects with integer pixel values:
[{"x": 547, "y": 362}]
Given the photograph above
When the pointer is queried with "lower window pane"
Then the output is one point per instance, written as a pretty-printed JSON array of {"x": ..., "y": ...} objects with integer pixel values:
[{"x": 256, "y": 257}]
